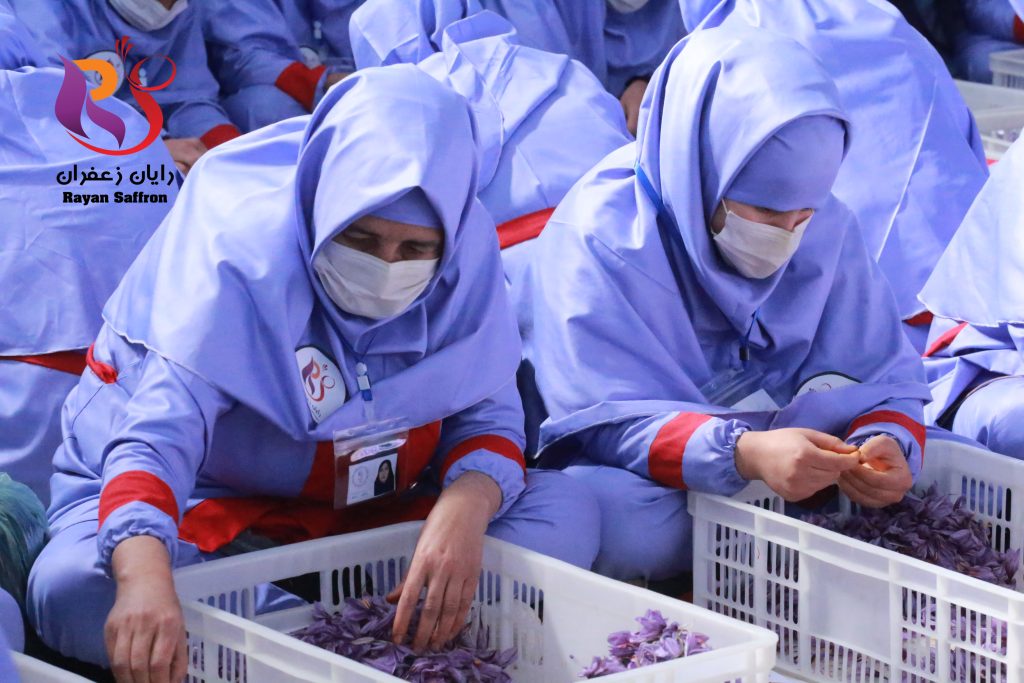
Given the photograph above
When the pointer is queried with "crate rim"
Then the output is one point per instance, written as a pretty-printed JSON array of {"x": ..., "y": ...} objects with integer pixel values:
[
  {"x": 702, "y": 500},
  {"x": 756, "y": 638}
]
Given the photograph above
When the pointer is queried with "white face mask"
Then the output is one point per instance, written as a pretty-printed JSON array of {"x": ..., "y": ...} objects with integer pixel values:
[
  {"x": 757, "y": 250},
  {"x": 148, "y": 15},
  {"x": 368, "y": 286},
  {"x": 627, "y": 6}
]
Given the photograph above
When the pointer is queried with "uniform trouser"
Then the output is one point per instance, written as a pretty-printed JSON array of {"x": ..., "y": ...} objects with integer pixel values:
[
  {"x": 646, "y": 532},
  {"x": 69, "y": 596},
  {"x": 993, "y": 415},
  {"x": 971, "y": 58},
  {"x": 256, "y": 106},
  {"x": 31, "y": 398},
  {"x": 10, "y": 621}
]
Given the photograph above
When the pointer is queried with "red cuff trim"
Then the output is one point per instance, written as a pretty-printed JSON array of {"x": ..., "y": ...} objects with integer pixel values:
[
  {"x": 922, "y": 318},
  {"x": 137, "y": 487},
  {"x": 945, "y": 340},
  {"x": 1018, "y": 29},
  {"x": 71, "y": 362},
  {"x": 665, "y": 460},
  {"x": 488, "y": 442},
  {"x": 916, "y": 429},
  {"x": 524, "y": 228},
  {"x": 299, "y": 82},
  {"x": 218, "y": 135},
  {"x": 106, "y": 373}
]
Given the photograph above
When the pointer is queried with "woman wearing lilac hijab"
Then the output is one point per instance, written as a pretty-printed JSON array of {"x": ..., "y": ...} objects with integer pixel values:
[
  {"x": 329, "y": 278},
  {"x": 705, "y": 312},
  {"x": 916, "y": 161}
]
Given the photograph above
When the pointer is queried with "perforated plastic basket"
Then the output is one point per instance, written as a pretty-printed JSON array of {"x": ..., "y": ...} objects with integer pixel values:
[
  {"x": 982, "y": 98},
  {"x": 1007, "y": 68},
  {"x": 848, "y": 611},
  {"x": 999, "y": 129},
  {"x": 558, "y": 616}
]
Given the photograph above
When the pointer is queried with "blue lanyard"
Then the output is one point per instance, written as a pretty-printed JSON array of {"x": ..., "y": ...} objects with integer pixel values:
[{"x": 672, "y": 242}]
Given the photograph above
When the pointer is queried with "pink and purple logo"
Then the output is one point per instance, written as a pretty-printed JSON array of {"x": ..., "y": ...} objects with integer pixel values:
[{"x": 75, "y": 95}]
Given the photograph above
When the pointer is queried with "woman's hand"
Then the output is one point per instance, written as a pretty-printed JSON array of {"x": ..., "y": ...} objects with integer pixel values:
[
  {"x": 447, "y": 562},
  {"x": 145, "y": 631},
  {"x": 795, "y": 463},
  {"x": 185, "y": 152},
  {"x": 883, "y": 476},
  {"x": 630, "y": 100}
]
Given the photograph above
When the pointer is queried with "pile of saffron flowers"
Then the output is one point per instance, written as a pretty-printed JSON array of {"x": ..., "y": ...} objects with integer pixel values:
[
  {"x": 361, "y": 631},
  {"x": 932, "y": 527},
  {"x": 657, "y": 640}
]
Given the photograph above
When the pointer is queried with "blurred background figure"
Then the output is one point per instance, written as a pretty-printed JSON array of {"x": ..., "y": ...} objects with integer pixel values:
[
  {"x": 90, "y": 29},
  {"x": 274, "y": 59},
  {"x": 916, "y": 160}
]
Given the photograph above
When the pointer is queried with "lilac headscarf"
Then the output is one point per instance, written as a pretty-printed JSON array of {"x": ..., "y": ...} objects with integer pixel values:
[
  {"x": 542, "y": 119},
  {"x": 795, "y": 168},
  {"x": 633, "y": 315},
  {"x": 917, "y": 161},
  {"x": 980, "y": 278},
  {"x": 227, "y": 289}
]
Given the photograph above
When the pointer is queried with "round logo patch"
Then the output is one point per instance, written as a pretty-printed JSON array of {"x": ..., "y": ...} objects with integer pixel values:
[
  {"x": 826, "y": 381},
  {"x": 111, "y": 58},
  {"x": 321, "y": 382}
]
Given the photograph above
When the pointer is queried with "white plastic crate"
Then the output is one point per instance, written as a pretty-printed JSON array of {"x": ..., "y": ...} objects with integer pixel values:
[
  {"x": 559, "y": 617},
  {"x": 32, "y": 670},
  {"x": 999, "y": 129},
  {"x": 1007, "y": 68},
  {"x": 982, "y": 98},
  {"x": 849, "y": 611}
]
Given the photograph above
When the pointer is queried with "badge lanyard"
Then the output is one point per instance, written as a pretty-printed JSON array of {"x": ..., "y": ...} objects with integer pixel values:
[{"x": 366, "y": 457}]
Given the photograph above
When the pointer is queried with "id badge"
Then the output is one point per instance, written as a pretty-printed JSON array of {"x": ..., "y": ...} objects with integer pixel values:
[
  {"x": 740, "y": 389},
  {"x": 366, "y": 464}
]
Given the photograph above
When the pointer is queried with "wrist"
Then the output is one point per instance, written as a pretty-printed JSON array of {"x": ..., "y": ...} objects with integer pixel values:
[
  {"x": 481, "y": 489},
  {"x": 746, "y": 465},
  {"x": 141, "y": 559}
]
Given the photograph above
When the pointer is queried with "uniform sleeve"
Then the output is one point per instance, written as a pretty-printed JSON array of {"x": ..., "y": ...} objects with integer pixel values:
[
  {"x": 486, "y": 438},
  {"x": 151, "y": 460},
  {"x": 190, "y": 103},
  {"x": 681, "y": 450},
  {"x": 334, "y": 20},
  {"x": 994, "y": 18},
  {"x": 900, "y": 419},
  {"x": 250, "y": 44}
]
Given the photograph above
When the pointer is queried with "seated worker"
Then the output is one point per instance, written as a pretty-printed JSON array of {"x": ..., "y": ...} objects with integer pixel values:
[
  {"x": 975, "y": 360},
  {"x": 275, "y": 58},
  {"x": 263, "y": 74},
  {"x": 621, "y": 41},
  {"x": 327, "y": 277},
  {"x": 22, "y": 535},
  {"x": 706, "y": 313},
  {"x": 915, "y": 161},
  {"x": 543, "y": 119},
  {"x": 160, "y": 32},
  {"x": 987, "y": 26},
  {"x": 65, "y": 258}
]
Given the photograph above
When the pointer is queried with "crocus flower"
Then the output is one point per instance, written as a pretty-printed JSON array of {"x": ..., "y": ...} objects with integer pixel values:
[
  {"x": 657, "y": 640},
  {"x": 361, "y": 630}
]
